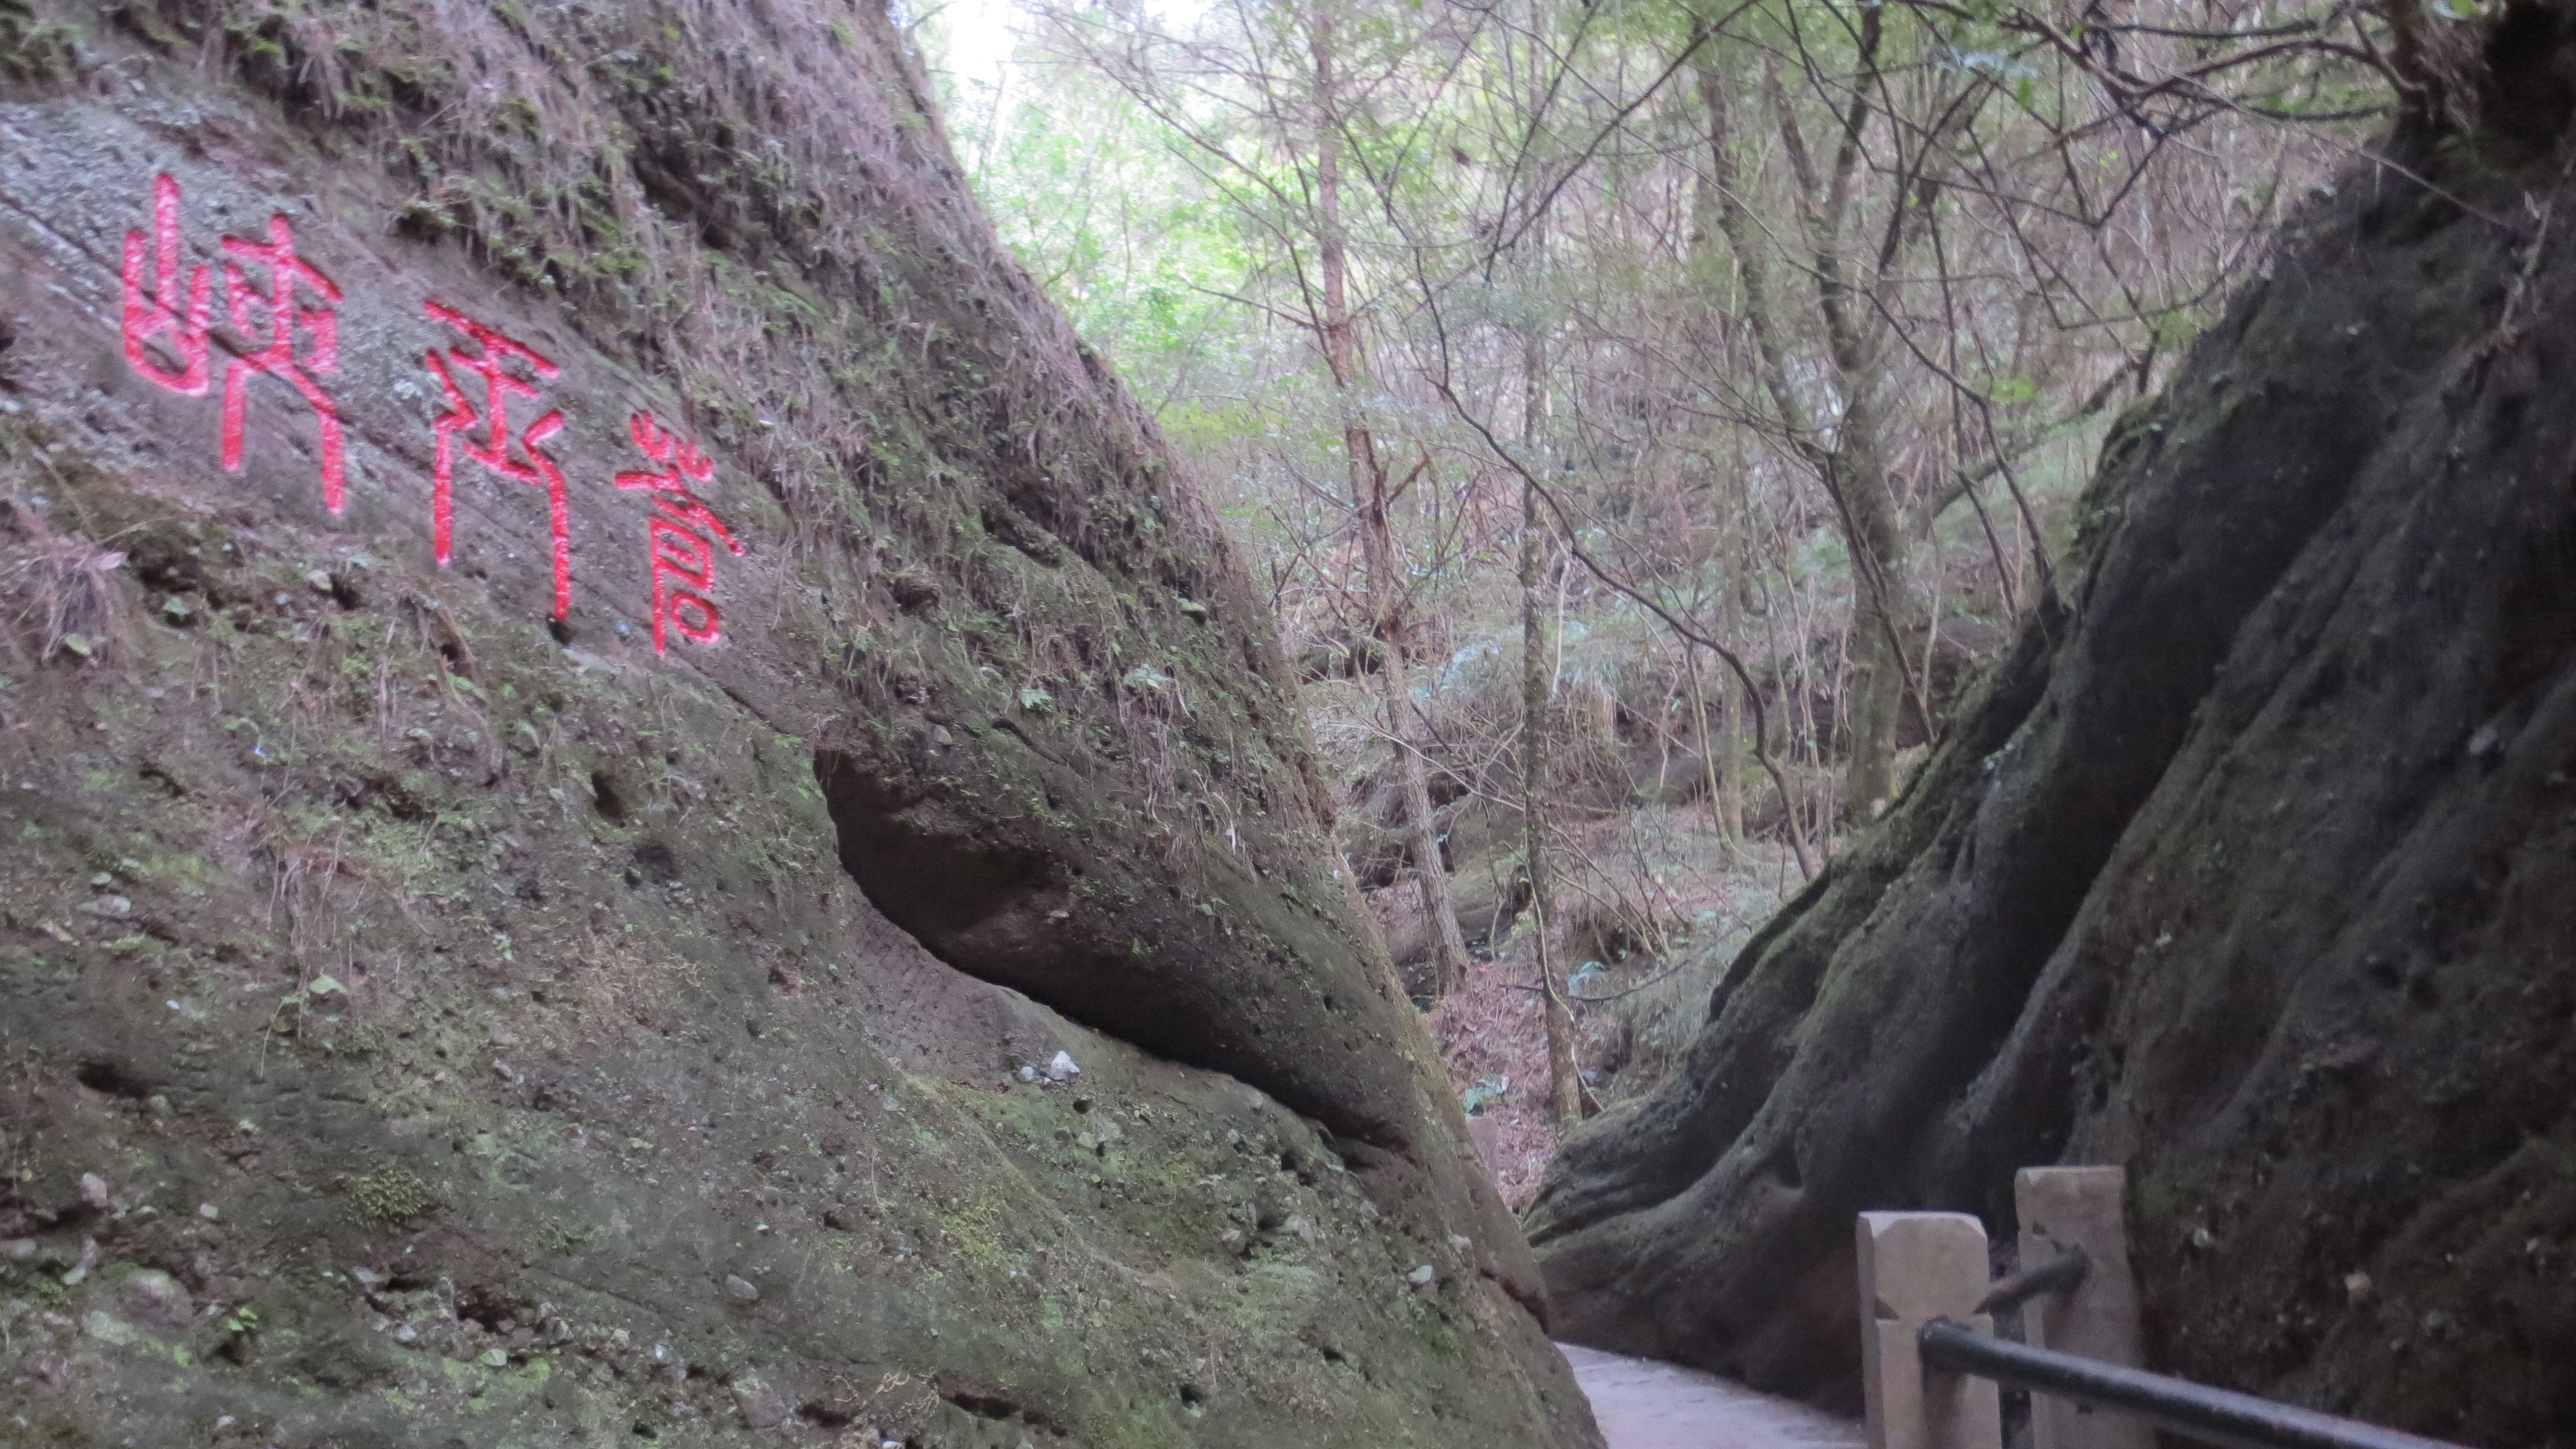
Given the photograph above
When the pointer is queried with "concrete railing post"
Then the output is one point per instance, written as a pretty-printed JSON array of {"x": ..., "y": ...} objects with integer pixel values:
[
  {"x": 2062, "y": 1209},
  {"x": 1915, "y": 1267}
]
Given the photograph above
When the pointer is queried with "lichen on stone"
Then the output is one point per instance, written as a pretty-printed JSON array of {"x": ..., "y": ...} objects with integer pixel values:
[{"x": 389, "y": 1194}]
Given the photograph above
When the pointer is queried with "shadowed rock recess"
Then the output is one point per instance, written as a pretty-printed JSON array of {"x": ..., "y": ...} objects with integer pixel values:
[
  {"x": 2253, "y": 868},
  {"x": 426, "y": 1020}
]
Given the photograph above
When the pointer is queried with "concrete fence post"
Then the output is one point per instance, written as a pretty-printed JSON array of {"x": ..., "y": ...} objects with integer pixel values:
[
  {"x": 1915, "y": 1267},
  {"x": 2062, "y": 1209}
]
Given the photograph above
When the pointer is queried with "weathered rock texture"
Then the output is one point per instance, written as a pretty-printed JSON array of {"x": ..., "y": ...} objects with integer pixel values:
[
  {"x": 2252, "y": 868},
  {"x": 426, "y": 1022}
]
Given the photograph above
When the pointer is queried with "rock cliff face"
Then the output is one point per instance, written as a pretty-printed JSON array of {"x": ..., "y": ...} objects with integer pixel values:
[
  {"x": 600, "y": 703},
  {"x": 2253, "y": 867}
]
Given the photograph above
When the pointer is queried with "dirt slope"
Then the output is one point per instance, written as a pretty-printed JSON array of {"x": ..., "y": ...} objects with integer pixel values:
[
  {"x": 2254, "y": 867},
  {"x": 602, "y": 987}
]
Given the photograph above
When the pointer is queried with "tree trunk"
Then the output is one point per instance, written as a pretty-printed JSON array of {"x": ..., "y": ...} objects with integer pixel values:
[
  {"x": 1371, "y": 503},
  {"x": 1865, "y": 500},
  {"x": 1854, "y": 468},
  {"x": 1719, "y": 752},
  {"x": 1564, "y": 1073},
  {"x": 1729, "y": 752},
  {"x": 1875, "y": 694},
  {"x": 1717, "y": 746},
  {"x": 1422, "y": 835}
]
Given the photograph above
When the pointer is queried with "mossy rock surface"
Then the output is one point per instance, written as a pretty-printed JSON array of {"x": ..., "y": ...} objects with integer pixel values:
[
  {"x": 425, "y": 1020},
  {"x": 2248, "y": 868}
]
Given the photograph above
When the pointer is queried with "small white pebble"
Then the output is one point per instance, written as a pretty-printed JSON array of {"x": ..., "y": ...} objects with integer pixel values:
[
  {"x": 209, "y": 1211},
  {"x": 93, "y": 1189}
]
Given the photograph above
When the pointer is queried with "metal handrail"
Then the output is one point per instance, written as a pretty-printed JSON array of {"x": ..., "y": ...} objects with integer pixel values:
[
  {"x": 2061, "y": 1274},
  {"x": 2219, "y": 1416}
]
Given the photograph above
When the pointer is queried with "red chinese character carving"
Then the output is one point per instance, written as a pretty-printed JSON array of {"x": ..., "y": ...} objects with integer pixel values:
[
  {"x": 682, "y": 536},
  {"x": 173, "y": 314},
  {"x": 500, "y": 384},
  {"x": 275, "y": 341}
]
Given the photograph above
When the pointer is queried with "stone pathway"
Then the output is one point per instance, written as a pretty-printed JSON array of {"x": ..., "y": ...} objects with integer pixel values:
[{"x": 1646, "y": 1405}]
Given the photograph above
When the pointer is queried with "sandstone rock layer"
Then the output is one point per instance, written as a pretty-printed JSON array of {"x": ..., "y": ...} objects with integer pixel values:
[
  {"x": 2253, "y": 867},
  {"x": 602, "y": 987}
]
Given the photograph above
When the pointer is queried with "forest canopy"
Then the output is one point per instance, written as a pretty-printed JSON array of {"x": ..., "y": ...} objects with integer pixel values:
[{"x": 1713, "y": 386}]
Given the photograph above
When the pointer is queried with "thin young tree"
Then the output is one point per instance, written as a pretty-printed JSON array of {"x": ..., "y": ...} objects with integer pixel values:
[
  {"x": 1388, "y": 591},
  {"x": 1564, "y": 1072}
]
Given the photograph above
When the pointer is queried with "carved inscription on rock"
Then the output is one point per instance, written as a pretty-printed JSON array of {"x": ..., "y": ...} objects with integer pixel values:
[{"x": 282, "y": 318}]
